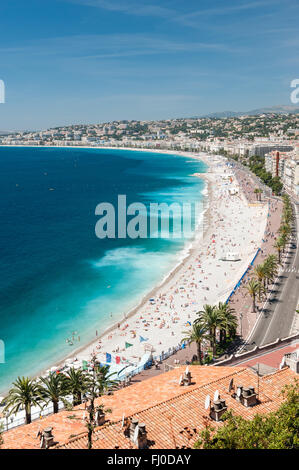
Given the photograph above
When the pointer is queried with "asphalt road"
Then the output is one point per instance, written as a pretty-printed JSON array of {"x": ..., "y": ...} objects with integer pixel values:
[{"x": 277, "y": 318}]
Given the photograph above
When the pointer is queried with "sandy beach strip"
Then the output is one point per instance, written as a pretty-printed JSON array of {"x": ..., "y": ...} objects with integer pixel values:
[{"x": 230, "y": 225}]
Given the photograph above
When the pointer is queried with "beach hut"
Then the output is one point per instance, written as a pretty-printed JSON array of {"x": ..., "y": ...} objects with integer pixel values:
[{"x": 231, "y": 256}]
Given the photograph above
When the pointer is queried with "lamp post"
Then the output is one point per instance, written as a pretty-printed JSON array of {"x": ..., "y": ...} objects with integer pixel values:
[{"x": 241, "y": 318}]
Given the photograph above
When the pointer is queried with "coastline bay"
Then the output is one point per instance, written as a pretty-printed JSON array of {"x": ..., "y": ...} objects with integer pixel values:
[{"x": 56, "y": 276}]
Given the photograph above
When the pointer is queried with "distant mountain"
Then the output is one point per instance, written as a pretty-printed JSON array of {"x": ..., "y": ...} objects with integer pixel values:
[
  {"x": 274, "y": 109},
  {"x": 8, "y": 132},
  {"x": 4, "y": 132}
]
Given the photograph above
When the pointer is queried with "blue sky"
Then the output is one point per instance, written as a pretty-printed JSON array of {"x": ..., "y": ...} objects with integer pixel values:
[{"x": 84, "y": 61}]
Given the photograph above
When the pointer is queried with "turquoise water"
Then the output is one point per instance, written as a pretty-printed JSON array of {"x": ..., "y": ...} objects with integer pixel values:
[{"x": 56, "y": 275}]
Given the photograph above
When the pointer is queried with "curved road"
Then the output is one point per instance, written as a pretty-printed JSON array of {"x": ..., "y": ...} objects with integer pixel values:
[{"x": 277, "y": 318}]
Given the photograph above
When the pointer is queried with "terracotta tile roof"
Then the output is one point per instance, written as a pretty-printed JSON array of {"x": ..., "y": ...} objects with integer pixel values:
[
  {"x": 160, "y": 403},
  {"x": 167, "y": 422},
  {"x": 128, "y": 400}
]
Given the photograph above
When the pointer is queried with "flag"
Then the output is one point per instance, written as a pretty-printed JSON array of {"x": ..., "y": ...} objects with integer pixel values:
[
  {"x": 108, "y": 357},
  {"x": 117, "y": 360},
  {"x": 142, "y": 339},
  {"x": 128, "y": 345}
]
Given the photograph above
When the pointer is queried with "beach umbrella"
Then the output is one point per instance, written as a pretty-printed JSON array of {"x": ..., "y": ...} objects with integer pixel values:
[
  {"x": 142, "y": 339},
  {"x": 128, "y": 345}
]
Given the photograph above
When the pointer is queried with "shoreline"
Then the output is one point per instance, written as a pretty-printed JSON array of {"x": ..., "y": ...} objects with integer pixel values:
[
  {"x": 166, "y": 278},
  {"x": 201, "y": 236},
  {"x": 152, "y": 293}
]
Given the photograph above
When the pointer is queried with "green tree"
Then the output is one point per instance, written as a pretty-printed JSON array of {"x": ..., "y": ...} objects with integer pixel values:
[
  {"x": 271, "y": 268},
  {"x": 229, "y": 320},
  {"x": 197, "y": 335},
  {"x": 104, "y": 380},
  {"x": 210, "y": 319},
  {"x": 98, "y": 382},
  {"x": 23, "y": 395},
  {"x": 260, "y": 272},
  {"x": 53, "y": 389},
  {"x": 279, "y": 246},
  {"x": 255, "y": 289},
  {"x": 285, "y": 230},
  {"x": 76, "y": 383}
]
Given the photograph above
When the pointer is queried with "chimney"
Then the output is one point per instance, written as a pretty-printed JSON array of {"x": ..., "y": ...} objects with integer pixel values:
[
  {"x": 142, "y": 437},
  {"x": 47, "y": 438},
  {"x": 218, "y": 409},
  {"x": 127, "y": 426},
  {"x": 100, "y": 417},
  {"x": 187, "y": 378},
  {"x": 249, "y": 397},
  {"x": 246, "y": 396},
  {"x": 133, "y": 425}
]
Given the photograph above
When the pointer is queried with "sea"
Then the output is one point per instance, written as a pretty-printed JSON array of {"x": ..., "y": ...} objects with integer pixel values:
[{"x": 59, "y": 282}]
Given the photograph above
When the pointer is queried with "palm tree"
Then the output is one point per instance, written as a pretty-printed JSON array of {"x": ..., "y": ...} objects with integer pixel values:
[
  {"x": 260, "y": 273},
  {"x": 271, "y": 267},
  {"x": 287, "y": 215},
  {"x": 229, "y": 320},
  {"x": 197, "y": 335},
  {"x": 104, "y": 380},
  {"x": 278, "y": 246},
  {"x": 255, "y": 288},
  {"x": 284, "y": 241},
  {"x": 76, "y": 382},
  {"x": 211, "y": 319},
  {"x": 22, "y": 396},
  {"x": 285, "y": 230},
  {"x": 99, "y": 381},
  {"x": 53, "y": 388},
  {"x": 256, "y": 192}
]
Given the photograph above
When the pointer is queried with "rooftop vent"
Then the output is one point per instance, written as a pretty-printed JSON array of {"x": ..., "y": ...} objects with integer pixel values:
[
  {"x": 246, "y": 396},
  {"x": 185, "y": 379},
  {"x": 218, "y": 407},
  {"x": 46, "y": 438},
  {"x": 138, "y": 434},
  {"x": 142, "y": 437}
]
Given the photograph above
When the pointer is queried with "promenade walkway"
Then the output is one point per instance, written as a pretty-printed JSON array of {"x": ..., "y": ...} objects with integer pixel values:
[{"x": 240, "y": 300}]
